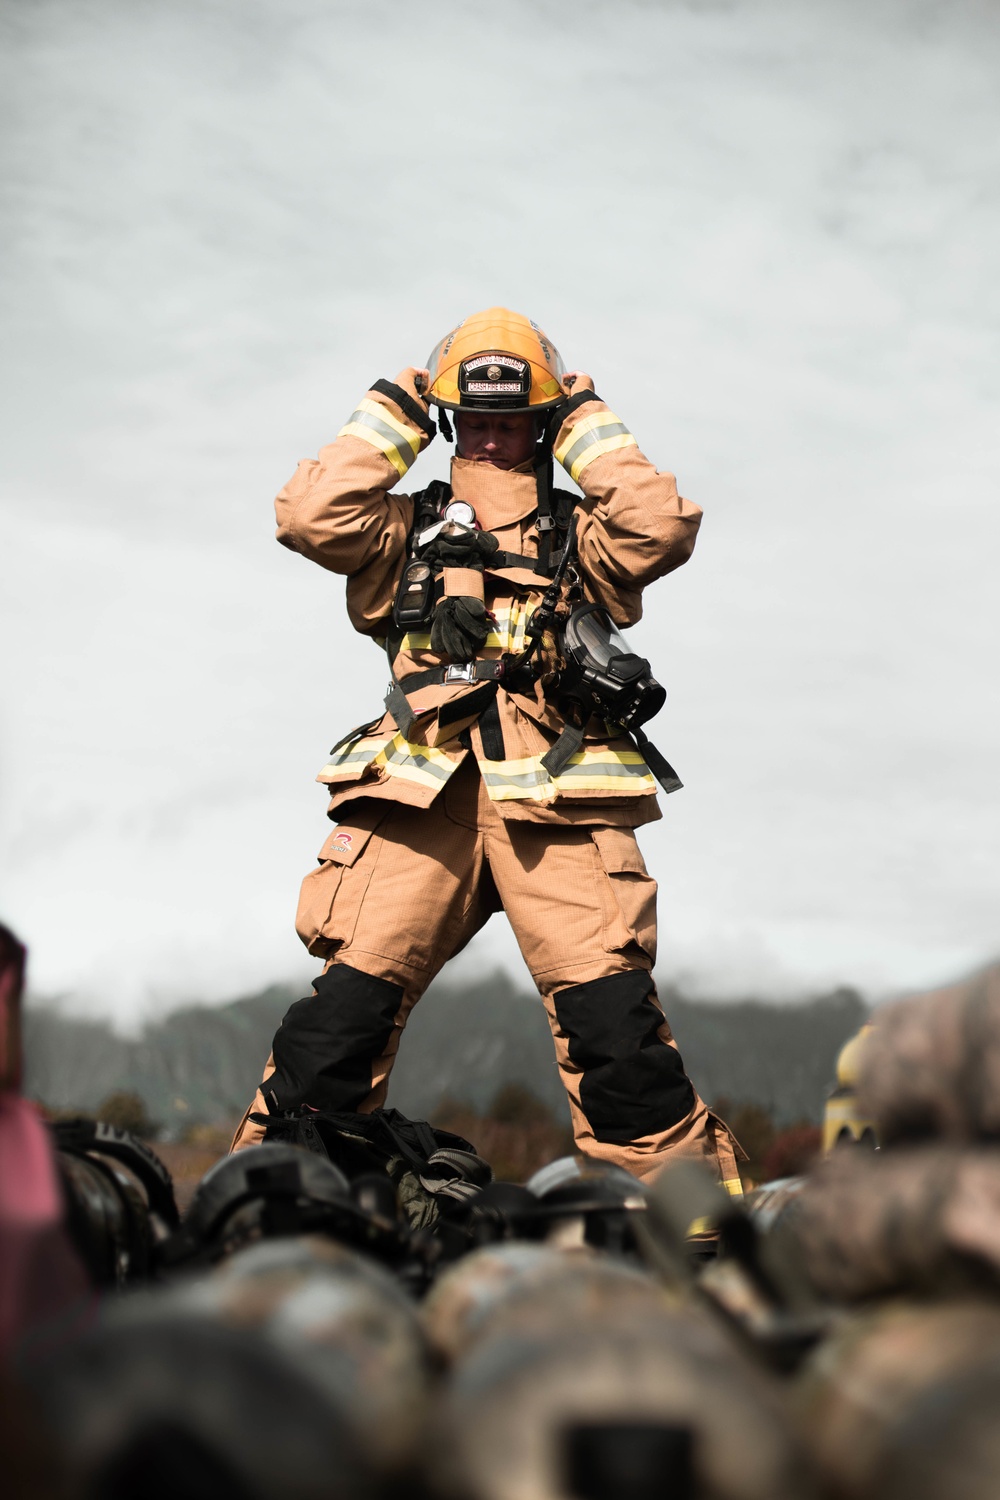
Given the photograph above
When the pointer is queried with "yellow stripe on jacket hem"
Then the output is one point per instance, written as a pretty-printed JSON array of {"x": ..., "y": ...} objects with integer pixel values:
[
  {"x": 395, "y": 756},
  {"x": 618, "y": 772}
]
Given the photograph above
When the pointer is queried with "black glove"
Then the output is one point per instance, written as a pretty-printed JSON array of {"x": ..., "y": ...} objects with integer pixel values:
[
  {"x": 467, "y": 549},
  {"x": 460, "y": 625},
  {"x": 459, "y": 628}
]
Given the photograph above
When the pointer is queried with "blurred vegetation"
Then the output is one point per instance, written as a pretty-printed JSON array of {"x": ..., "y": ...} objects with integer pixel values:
[
  {"x": 199, "y": 1065},
  {"x": 772, "y": 1150},
  {"x": 517, "y": 1134},
  {"x": 126, "y": 1110}
]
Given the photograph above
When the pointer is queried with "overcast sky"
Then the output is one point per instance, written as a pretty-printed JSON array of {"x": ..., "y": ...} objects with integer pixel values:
[{"x": 771, "y": 231}]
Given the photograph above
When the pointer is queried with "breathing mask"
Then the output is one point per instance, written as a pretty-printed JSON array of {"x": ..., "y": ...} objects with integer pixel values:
[{"x": 602, "y": 675}]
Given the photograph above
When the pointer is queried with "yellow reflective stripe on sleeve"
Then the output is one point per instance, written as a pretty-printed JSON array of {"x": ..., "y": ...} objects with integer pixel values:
[
  {"x": 620, "y": 772},
  {"x": 733, "y": 1187},
  {"x": 601, "y": 432},
  {"x": 375, "y": 424},
  {"x": 597, "y": 448}
]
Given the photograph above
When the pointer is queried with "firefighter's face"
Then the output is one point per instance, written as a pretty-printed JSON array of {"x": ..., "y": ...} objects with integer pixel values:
[{"x": 502, "y": 439}]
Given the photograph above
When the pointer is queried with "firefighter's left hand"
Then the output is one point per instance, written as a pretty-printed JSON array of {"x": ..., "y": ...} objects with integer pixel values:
[{"x": 460, "y": 627}]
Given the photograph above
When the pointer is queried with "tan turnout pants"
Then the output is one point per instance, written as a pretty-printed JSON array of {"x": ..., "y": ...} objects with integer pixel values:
[{"x": 404, "y": 889}]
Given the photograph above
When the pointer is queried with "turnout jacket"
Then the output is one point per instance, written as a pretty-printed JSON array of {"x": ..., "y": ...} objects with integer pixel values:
[{"x": 342, "y": 511}]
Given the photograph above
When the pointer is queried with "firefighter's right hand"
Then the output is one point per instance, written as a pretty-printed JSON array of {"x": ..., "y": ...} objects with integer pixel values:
[{"x": 415, "y": 380}]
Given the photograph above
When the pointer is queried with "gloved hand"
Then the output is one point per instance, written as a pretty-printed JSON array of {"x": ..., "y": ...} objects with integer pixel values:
[
  {"x": 575, "y": 381},
  {"x": 460, "y": 625},
  {"x": 466, "y": 549},
  {"x": 414, "y": 381},
  {"x": 459, "y": 628}
]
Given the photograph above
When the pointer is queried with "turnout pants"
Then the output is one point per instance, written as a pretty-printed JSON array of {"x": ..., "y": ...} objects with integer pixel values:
[{"x": 400, "y": 890}]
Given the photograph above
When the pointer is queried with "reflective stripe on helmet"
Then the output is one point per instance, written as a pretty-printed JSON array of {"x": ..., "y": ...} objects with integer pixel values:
[
  {"x": 618, "y": 771},
  {"x": 375, "y": 424},
  {"x": 593, "y": 435}
]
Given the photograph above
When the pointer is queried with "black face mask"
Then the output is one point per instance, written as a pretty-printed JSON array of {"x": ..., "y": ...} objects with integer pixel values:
[{"x": 602, "y": 675}]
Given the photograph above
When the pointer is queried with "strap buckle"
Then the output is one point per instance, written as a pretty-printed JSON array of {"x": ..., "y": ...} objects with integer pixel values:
[
  {"x": 546, "y": 523},
  {"x": 461, "y": 672}
]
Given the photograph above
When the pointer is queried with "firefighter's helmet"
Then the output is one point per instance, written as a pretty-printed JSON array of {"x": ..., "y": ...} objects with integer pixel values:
[{"x": 496, "y": 360}]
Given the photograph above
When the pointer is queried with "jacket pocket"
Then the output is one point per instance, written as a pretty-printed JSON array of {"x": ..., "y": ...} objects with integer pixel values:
[
  {"x": 332, "y": 895},
  {"x": 630, "y": 901}
]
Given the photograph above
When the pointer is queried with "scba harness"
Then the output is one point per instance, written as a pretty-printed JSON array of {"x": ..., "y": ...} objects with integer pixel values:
[{"x": 599, "y": 674}]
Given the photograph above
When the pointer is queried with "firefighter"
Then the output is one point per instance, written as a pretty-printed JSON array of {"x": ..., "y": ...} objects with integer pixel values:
[{"x": 488, "y": 784}]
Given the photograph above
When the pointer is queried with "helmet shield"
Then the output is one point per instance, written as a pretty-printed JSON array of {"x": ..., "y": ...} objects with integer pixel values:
[{"x": 494, "y": 381}]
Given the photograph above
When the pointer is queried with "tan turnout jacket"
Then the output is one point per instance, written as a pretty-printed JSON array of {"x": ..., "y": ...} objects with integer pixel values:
[{"x": 341, "y": 511}]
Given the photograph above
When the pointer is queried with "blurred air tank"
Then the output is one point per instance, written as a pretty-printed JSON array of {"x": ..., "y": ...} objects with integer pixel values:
[
  {"x": 169, "y": 1405},
  {"x": 919, "y": 1219},
  {"x": 901, "y": 1403},
  {"x": 338, "y": 1315},
  {"x": 636, "y": 1407},
  {"x": 514, "y": 1288},
  {"x": 468, "y": 1291},
  {"x": 931, "y": 1068}
]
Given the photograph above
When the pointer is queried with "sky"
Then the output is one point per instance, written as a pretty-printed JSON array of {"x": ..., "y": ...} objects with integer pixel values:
[{"x": 770, "y": 231}]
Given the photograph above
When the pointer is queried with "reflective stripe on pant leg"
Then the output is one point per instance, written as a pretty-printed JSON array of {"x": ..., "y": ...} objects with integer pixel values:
[
  {"x": 324, "y": 1047},
  {"x": 632, "y": 1083}
]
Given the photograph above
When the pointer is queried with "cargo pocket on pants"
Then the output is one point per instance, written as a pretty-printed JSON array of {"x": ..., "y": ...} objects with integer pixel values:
[
  {"x": 630, "y": 900},
  {"x": 331, "y": 896}
]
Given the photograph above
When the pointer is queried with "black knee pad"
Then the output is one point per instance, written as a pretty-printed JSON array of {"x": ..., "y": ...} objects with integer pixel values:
[
  {"x": 324, "y": 1047},
  {"x": 633, "y": 1084}
]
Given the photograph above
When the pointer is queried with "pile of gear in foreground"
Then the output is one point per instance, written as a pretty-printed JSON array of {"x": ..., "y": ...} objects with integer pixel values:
[{"x": 354, "y": 1308}]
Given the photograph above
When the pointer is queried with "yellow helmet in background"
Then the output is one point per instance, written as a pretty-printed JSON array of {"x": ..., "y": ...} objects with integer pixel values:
[{"x": 496, "y": 360}]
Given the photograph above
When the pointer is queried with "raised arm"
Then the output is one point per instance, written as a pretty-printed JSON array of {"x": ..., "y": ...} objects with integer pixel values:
[
  {"x": 339, "y": 509},
  {"x": 633, "y": 526}
]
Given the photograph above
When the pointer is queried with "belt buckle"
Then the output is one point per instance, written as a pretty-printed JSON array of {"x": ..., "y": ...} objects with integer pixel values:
[{"x": 460, "y": 672}]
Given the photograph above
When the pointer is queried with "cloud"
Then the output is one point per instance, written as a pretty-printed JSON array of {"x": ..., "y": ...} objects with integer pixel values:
[{"x": 771, "y": 232}]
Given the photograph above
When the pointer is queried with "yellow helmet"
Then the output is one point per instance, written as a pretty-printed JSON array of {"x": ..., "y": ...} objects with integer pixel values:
[{"x": 496, "y": 360}]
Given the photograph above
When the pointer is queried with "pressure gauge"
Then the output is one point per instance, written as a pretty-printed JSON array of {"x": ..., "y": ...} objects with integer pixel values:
[{"x": 460, "y": 511}]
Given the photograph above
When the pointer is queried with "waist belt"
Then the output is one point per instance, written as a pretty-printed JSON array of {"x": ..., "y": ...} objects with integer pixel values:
[
  {"x": 465, "y": 671},
  {"x": 509, "y": 670}
]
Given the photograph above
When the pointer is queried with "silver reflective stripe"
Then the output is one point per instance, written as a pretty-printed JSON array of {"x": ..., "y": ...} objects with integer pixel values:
[
  {"x": 355, "y": 757},
  {"x": 399, "y": 757},
  {"x": 605, "y": 768},
  {"x": 368, "y": 419},
  {"x": 526, "y": 779},
  {"x": 529, "y": 779},
  {"x": 595, "y": 435}
]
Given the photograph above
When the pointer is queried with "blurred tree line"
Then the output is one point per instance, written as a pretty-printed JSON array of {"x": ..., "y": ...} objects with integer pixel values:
[{"x": 478, "y": 1060}]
